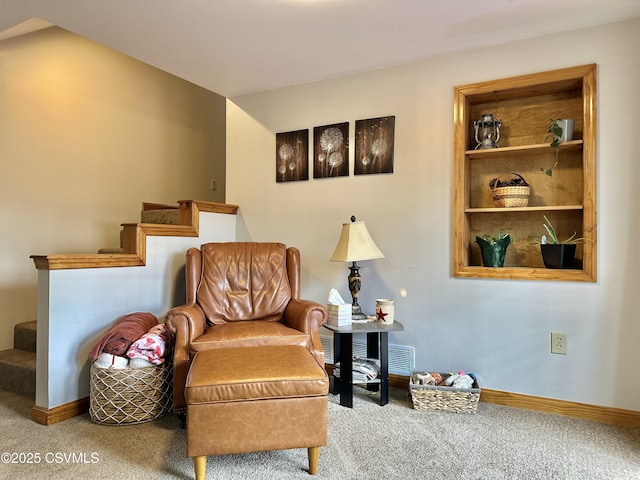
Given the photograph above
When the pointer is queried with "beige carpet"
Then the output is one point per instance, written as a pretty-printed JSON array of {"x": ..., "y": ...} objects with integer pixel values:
[{"x": 366, "y": 442}]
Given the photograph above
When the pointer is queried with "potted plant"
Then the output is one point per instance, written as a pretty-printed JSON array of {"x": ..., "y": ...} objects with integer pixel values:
[
  {"x": 493, "y": 249},
  {"x": 560, "y": 130},
  {"x": 557, "y": 253}
]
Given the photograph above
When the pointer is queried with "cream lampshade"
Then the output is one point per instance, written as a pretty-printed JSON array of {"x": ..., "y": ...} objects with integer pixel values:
[{"x": 355, "y": 244}]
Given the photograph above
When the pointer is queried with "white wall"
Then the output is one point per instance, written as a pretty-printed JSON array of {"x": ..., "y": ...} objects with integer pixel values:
[
  {"x": 86, "y": 135},
  {"x": 76, "y": 307},
  {"x": 499, "y": 329}
]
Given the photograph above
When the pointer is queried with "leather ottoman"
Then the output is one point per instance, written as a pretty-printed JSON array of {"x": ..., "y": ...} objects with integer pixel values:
[{"x": 250, "y": 399}]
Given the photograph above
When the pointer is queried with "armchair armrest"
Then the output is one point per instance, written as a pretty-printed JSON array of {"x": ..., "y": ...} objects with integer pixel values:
[
  {"x": 187, "y": 323},
  {"x": 308, "y": 316},
  {"x": 305, "y": 315}
]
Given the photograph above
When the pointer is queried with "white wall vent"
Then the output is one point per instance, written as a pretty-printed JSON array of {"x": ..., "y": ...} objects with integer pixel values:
[{"x": 401, "y": 357}]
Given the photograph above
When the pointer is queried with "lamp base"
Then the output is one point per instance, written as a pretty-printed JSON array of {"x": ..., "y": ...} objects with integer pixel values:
[
  {"x": 355, "y": 280},
  {"x": 356, "y": 313}
]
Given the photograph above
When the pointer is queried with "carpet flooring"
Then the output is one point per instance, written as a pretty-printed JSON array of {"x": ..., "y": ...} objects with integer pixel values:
[{"x": 366, "y": 442}]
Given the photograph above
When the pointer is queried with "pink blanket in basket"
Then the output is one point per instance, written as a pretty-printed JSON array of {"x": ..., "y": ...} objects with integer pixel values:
[{"x": 153, "y": 346}]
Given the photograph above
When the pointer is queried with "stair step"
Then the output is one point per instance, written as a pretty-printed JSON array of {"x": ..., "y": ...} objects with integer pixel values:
[
  {"x": 160, "y": 216},
  {"x": 111, "y": 251},
  {"x": 165, "y": 216},
  {"x": 24, "y": 336},
  {"x": 18, "y": 372}
]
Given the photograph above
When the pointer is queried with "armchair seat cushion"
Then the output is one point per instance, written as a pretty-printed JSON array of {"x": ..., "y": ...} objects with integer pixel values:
[
  {"x": 254, "y": 373},
  {"x": 249, "y": 333}
]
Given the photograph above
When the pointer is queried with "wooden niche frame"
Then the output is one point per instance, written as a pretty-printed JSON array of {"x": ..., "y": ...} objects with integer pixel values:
[{"x": 525, "y": 104}]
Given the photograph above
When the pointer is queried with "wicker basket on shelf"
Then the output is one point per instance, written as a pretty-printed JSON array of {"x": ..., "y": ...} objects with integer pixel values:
[
  {"x": 445, "y": 399},
  {"x": 130, "y": 395},
  {"x": 516, "y": 195}
]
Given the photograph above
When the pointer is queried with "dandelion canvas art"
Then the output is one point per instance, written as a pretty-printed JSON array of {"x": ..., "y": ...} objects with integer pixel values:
[
  {"x": 374, "y": 145},
  {"x": 292, "y": 156},
  {"x": 331, "y": 150}
]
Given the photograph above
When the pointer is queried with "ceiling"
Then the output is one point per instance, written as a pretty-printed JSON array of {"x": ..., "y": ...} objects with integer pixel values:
[{"x": 235, "y": 47}]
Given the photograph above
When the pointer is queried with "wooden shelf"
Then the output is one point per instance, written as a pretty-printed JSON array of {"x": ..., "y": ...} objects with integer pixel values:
[
  {"x": 523, "y": 209},
  {"x": 572, "y": 145},
  {"x": 525, "y": 104},
  {"x": 525, "y": 273}
]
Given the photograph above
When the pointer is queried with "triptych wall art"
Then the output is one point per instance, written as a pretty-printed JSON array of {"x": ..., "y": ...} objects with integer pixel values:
[{"x": 374, "y": 141}]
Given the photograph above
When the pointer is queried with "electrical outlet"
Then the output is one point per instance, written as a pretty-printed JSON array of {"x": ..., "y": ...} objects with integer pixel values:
[
  {"x": 214, "y": 184},
  {"x": 559, "y": 343}
]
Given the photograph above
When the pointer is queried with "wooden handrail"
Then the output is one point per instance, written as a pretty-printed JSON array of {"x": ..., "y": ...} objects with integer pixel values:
[{"x": 134, "y": 240}]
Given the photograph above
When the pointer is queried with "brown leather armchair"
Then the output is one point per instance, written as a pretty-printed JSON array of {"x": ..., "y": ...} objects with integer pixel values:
[{"x": 241, "y": 294}]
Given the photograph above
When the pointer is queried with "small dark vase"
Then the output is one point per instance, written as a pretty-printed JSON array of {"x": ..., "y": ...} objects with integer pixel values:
[
  {"x": 558, "y": 255},
  {"x": 493, "y": 253}
]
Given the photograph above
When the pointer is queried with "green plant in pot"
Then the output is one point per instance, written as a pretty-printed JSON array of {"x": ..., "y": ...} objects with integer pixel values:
[
  {"x": 557, "y": 253},
  {"x": 558, "y": 130},
  {"x": 493, "y": 249}
]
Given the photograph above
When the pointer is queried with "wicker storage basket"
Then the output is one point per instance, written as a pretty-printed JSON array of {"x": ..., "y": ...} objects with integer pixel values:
[
  {"x": 517, "y": 196},
  {"x": 130, "y": 395},
  {"x": 446, "y": 399}
]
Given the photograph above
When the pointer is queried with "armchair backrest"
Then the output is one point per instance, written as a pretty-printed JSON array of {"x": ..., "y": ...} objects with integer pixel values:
[{"x": 238, "y": 281}]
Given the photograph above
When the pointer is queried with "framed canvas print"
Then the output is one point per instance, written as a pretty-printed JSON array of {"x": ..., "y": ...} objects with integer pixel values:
[
  {"x": 292, "y": 156},
  {"x": 374, "y": 145},
  {"x": 331, "y": 150}
]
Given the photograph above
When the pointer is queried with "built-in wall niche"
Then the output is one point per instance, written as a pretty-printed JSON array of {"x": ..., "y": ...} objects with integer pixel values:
[{"x": 525, "y": 105}]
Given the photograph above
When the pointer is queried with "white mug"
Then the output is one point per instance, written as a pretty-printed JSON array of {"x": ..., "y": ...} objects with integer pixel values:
[
  {"x": 384, "y": 310},
  {"x": 566, "y": 124}
]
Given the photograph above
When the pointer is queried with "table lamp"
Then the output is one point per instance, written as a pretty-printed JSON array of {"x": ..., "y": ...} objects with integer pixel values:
[{"x": 355, "y": 244}]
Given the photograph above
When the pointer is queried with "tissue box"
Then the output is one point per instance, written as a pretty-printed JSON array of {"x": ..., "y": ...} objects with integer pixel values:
[{"x": 339, "y": 315}]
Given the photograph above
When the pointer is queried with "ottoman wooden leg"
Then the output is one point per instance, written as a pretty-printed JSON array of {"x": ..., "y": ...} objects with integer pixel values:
[
  {"x": 314, "y": 455},
  {"x": 200, "y": 466}
]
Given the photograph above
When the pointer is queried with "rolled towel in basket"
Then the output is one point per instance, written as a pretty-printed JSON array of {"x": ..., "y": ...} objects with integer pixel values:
[
  {"x": 140, "y": 363},
  {"x": 106, "y": 360}
]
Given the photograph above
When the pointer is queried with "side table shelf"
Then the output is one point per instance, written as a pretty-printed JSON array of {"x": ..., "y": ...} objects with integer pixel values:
[{"x": 377, "y": 347}]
